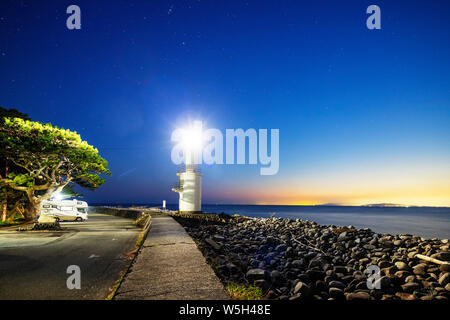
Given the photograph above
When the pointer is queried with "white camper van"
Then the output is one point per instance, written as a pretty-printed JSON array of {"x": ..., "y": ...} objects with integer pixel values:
[{"x": 65, "y": 210}]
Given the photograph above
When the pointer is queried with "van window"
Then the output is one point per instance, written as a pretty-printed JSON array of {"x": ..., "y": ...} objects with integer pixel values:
[
  {"x": 81, "y": 210},
  {"x": 46, "y": 206}
]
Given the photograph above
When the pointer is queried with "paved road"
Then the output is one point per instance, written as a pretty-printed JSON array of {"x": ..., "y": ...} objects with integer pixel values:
[{"x": 33, "y": 265}]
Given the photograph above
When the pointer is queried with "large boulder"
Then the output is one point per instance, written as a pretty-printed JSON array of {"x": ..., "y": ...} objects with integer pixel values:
[
  {"x": 302, "y": 288},
  {"x": 444, "y": 279},
  {"x": 443, "y": 256},
  {"x": 256, "y": 274}
]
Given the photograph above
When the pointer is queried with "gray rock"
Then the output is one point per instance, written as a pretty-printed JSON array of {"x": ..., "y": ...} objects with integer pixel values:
[
  {"x": 316, "y": 262},
  {"x": 443, "y": 256},
  {"x": 383, "y": 283},
  {"x": 384, "y": 264},
  {"x": 340, "y": 269},
  {"x": 232, "y": 268},
  {"x": 289, "y": 253},
  {"x": 304, "y": 277},
  {"x": 218, "y": 238},
  {"x": 276, "y": 276},
  {"x": 302, "y": 288},
  {"x": 321, "y": 286},
  {"x": 387, "y": 244},
  {"x": 362, "y": 295},
  {"x": 342, "y": 236},
  {"x": 420, "y": 269},
  {"x": 336, "y": 293},
  {"x": 364, "y": 261},
  {"x": 401, "y": 265},
  {"x": 213, "y": 244},
  {"x": 402, "y": 274},
  {"x": 298, "y": 263},
  {"x": 445, "y": 267},
  {"x": 263, "y": 284},
  {"x": 412, "y": 254},
  {"x": 410, "y": 287},
  {"x": 310, "y": 255},
  {"x": 444, "y": 279},
  {"x": 336, "y": 284},
  {"x": 271, "y": 294},
  {"x": 256, "y": 274}
]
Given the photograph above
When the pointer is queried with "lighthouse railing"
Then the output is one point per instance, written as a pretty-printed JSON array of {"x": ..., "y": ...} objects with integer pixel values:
[
  {"x": 190, "y": 167},
  {"x": 177, "y": 186}
]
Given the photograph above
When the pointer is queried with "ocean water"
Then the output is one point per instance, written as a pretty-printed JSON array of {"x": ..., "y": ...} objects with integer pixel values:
[{"x": 428, "y": 222}]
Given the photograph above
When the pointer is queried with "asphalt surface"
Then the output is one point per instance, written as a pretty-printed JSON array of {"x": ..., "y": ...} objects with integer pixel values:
[{"x": 33, "y": 265}]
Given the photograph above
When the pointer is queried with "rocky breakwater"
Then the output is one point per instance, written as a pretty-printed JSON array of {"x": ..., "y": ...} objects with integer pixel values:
[{"x": 301, "y": 260}]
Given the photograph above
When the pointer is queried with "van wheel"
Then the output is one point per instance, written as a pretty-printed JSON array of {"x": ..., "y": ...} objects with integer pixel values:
[
  {"x": 57, "y": 219},
  {"x": 78, "y": 219}
]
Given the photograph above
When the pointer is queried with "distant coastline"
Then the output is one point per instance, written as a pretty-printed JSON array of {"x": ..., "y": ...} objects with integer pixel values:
[{"x": 375, "y": 205}]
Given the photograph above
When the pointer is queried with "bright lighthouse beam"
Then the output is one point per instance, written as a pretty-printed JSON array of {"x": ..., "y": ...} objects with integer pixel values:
[
  {"x": 189, "y": 186},
  {"x": 192, "y": 139},
  {"x": 189, "y": 145}
]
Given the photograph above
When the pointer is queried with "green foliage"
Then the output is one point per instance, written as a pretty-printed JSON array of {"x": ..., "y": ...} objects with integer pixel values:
[
  {"x": 9, "y": 224},
  {"x": 46, "y": 159},
  {"x": 12, "y": 113},
  {"x": 243, "y": 292}
]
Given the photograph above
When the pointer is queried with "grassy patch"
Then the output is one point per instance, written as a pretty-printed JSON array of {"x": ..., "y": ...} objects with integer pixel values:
[
  {"x": 11, "y": 223},
  {"x": 141, "y": 221},
  {"x": 243, "y": 292}
]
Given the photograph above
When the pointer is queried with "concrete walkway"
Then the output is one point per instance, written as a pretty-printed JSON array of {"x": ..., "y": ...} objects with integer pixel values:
[{"x": 170, "y": 267}]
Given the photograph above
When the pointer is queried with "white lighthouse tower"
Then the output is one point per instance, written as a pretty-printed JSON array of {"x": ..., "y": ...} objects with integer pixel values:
[
  {"x": 189, "y": 188},
  {"x": 189, "y": 185}
]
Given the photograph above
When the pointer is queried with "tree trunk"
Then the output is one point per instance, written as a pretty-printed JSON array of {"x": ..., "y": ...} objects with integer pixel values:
[
  {"x": 34, "y": 207},
  {"x": 5, "y": 204},
  {"x": 30, "y": 212},
  {"x": 4, "y": 210}
]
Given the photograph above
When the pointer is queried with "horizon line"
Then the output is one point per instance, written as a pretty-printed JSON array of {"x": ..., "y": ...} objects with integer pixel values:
[{"x": 388, "y": 205}]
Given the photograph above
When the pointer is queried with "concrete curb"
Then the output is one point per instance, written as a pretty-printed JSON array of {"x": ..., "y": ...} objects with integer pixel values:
[{"x": 139, "y": 245}]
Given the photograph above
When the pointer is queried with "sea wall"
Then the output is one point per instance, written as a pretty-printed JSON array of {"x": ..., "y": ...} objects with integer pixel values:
[{"x": 119, "y": 212}]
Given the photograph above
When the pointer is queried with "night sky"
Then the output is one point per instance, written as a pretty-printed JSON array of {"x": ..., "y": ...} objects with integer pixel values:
[{"x": 363, "y": 114}]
